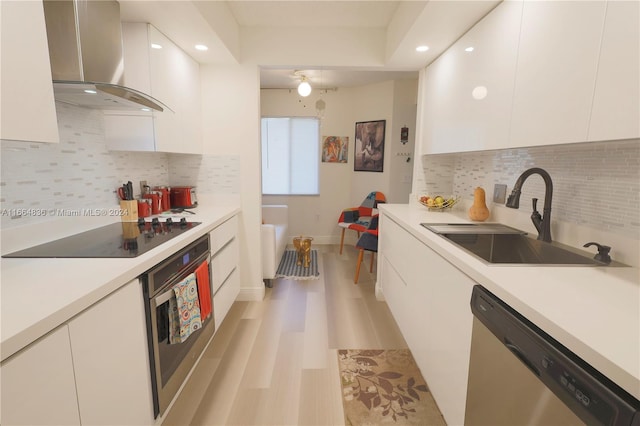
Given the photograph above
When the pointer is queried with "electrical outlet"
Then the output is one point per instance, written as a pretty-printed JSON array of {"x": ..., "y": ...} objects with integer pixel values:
[
  {"x": 499, "y": 193},
  {"x": 143, "y": 183}
]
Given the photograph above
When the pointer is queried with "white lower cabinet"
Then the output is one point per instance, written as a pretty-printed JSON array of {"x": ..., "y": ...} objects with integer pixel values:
[
  {"x": 225, "y": 277},
  {"x": 111, "y": 361},
  {"x": 38, "y": 386},
  {"x": 225, "y": 296},
  {"x": 93, "y": 370},
  {"x": 429, "y": 298}
]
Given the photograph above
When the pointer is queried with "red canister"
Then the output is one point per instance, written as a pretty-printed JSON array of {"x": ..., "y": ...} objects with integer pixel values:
[
  {"x": 165, "y": 202},
  {"x": 155, "y": 198},
  {"x": 144, "y": 207}
]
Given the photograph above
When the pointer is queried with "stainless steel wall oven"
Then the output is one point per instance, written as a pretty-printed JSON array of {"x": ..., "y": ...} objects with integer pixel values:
[{"x": 171, "y": 362}]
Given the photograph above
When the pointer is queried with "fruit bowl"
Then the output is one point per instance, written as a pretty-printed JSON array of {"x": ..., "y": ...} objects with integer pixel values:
[{"x": 438, "y": 202}]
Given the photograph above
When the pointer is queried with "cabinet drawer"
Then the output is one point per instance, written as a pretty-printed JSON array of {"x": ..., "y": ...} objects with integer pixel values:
[
  {"x": 402, "y": 250},
  {"x": 223, "y": 234},
  {"x": 223, "y": 263},
  {"x": 225, "y": 297}
]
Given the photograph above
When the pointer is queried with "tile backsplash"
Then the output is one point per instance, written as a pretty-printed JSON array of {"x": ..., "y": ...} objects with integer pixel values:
[
  {"x": 594, "y": 184},
  {"x": 80, "y": 172}
]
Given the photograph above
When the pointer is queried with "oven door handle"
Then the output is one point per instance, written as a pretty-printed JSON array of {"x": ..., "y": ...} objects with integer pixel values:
[{"x": 164, "y": 297}]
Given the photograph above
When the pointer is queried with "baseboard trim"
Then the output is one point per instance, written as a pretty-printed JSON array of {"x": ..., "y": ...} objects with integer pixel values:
[{"x": 253, "y": 294}]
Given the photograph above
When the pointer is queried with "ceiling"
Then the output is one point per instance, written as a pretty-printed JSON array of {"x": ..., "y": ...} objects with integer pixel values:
[{"x": 334, "y": 43}]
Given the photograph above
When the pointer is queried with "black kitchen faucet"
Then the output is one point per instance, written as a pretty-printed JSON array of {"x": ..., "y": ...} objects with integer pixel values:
[{"x": 542, "y": 223}]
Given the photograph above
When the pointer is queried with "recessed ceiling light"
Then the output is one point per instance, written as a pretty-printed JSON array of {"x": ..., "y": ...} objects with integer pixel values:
[
  {"x": 469, "y": 49},
  {"x": 156, "y": 46},
  {"x": 91, "y": 91},
  {"x": 422, "y": 48},
  {"x": 479, "y": 93},
  {"x": 201, "y": 47}
]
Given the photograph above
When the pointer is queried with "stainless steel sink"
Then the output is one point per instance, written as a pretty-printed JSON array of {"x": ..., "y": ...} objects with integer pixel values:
[{"x": 500, "y": 244}]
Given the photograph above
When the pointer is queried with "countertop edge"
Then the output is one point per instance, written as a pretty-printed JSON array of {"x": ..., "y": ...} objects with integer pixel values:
[{"x": 30, "y": 333}]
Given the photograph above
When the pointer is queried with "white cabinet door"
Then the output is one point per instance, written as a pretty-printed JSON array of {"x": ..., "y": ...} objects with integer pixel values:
[
  {"x": 470, "y": 87},
  {"x": 110, "y": 355},
  {"x": 448, "y": 326},
  {"x": 225, "y": 296},
  {"x": 616, "y": 102},
  {"x": 38, "y": 386},
  {"x": 429, "y": 298},
  {"x": 155, "y": 65},
  {"x": 225, "y": 277},
  {"x": 28, "y": 106},
  {"x": 164, "y": 76},
  {"x": 175, "y": 76},
  {"x": 556, "y": 71}
]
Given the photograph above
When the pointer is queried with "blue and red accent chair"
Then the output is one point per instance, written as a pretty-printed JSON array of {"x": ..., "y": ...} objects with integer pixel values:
[{"x": 359, "y": 218}]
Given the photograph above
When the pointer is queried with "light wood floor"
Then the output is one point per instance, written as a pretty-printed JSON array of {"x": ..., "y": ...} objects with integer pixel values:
[{"x": 274, "y": 362}]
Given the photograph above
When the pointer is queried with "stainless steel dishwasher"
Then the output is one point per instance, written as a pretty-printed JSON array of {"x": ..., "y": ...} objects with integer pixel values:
[{"x": 519, "y": 375}]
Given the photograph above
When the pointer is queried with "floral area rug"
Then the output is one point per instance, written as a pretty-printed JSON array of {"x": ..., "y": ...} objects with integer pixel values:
[{"x": 385, "y": 387}]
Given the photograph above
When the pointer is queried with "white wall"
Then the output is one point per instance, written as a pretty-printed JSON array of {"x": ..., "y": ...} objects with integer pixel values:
[
  {"x": 402, "y": 156},
  {"x": 340, "y": 186},
  {"x": 231, "y": 127}
]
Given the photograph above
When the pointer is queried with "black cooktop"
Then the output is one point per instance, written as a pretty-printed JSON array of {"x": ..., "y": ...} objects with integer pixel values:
[{"x": 125, "y": 239}]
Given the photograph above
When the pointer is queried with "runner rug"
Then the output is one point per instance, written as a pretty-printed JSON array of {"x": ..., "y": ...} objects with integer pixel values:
[
  {"x": 289, "y": 269},
  {"x": 385, "y": 387}
]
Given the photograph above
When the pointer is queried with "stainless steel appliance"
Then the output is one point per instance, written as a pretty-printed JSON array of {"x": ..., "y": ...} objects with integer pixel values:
[
  {"x": 122, "y": 239},
  {"x": 172, "y": 362},
  {"x": 87, "y": 61},
  {"x": 519, "y": 375}
]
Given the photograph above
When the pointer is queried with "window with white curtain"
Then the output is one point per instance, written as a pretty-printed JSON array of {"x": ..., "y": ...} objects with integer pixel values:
[{"x": 290, "y": 150}]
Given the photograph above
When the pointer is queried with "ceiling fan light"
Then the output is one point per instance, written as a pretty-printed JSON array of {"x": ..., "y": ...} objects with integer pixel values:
[{"x": 304, "y": 88}]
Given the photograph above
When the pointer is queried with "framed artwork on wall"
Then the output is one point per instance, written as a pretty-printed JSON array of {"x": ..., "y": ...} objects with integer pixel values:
[
  {"x": 335, "y": 149},
  {"x": 369, "y": 146}
]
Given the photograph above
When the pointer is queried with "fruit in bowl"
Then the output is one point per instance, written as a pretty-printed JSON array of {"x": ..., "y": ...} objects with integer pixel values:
[
  {"x": 427, "y": 201},
  {"x": 438, "y": 202}
]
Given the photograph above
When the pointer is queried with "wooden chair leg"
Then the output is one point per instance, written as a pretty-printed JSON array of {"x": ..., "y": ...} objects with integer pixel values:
[
  {"x": 360, "y": 255},
  {"x": 342, "y": 239},
  {"x": 371, "y": 266}
]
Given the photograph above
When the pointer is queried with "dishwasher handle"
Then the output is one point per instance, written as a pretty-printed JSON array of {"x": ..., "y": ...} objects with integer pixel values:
[{"x": 521, "y": 356}]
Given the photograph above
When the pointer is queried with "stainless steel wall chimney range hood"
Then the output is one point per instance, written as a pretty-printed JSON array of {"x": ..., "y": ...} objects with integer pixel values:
[{"x": 85, "y": 50}]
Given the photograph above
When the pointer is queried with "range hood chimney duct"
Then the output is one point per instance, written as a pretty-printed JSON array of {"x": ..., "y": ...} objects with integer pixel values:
[{"x": 85, "y": 51}]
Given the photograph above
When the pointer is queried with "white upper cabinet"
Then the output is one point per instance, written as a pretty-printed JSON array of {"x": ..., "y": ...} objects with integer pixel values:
[
  {"x": 616, "y": 102},
  {"x": 155, "y": 65},
  {"x": 469, "y": 89},
  {"x": 28, "y": 106},
  {"x": 176, "y": 78},
  {"x": 556, "y": 71}
]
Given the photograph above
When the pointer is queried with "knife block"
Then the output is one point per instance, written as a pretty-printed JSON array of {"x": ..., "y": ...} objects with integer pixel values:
[
  {"x": 130, "y": 230},
  {"x": 129, "y": 210}
]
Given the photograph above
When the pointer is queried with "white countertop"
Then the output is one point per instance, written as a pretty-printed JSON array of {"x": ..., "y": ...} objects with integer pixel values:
[
  {"x": 37, "y": 295},
  {"x": 593, "y": 311}
]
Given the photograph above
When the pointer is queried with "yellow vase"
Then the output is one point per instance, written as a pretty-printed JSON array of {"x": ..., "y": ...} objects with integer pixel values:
[{"x": 478, "y": 211}]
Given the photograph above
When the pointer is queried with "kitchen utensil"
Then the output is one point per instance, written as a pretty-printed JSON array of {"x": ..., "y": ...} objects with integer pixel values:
[{"x": 126, "y": 191}]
